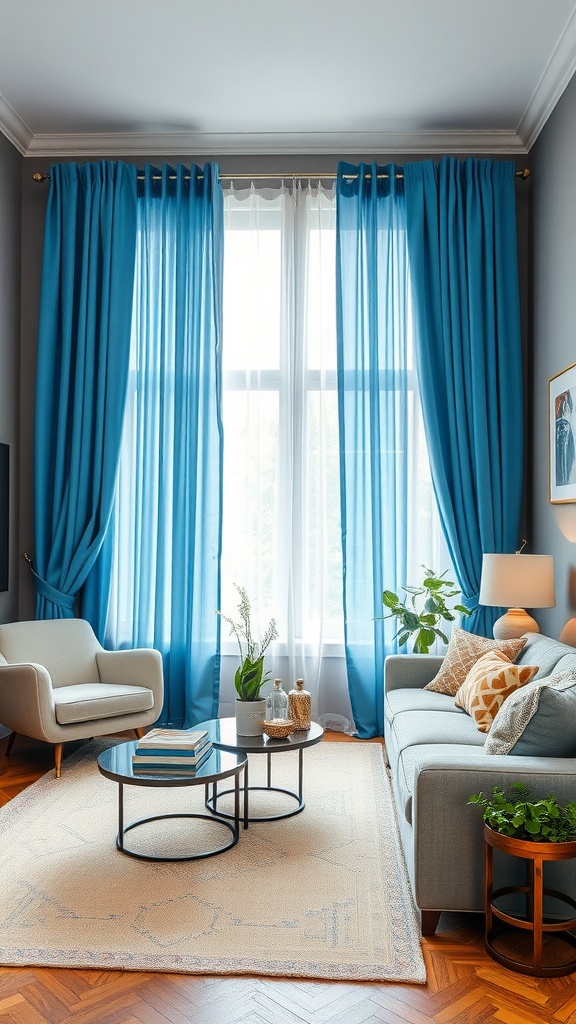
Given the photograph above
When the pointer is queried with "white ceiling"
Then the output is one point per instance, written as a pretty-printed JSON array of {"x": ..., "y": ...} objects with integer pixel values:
[{"x": 80, "y": 77}]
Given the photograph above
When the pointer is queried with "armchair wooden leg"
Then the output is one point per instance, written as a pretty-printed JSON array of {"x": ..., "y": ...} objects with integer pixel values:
[
  {"x": 430, "y": 920},
  {"x": 58, "y": 759},
  {"x": 139, "y": 733},
  {"x": 10, "y": 743}
]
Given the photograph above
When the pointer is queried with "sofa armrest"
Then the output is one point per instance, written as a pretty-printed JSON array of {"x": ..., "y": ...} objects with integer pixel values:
[
  {"x": 136, "y": 667},
  {"x": 448, "y": 832},
  {"x": 27, "y": 700},
  {"x": 403, "y": 671}
]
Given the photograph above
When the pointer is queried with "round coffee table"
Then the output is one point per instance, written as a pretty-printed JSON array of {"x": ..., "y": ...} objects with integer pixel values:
[
  {"x": 116, "y": 764},
  {"x": 222, "y": 732}
]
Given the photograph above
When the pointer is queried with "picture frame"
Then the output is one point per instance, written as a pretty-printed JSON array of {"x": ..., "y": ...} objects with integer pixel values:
[
  {"x": 562, "y": 436},
  {"x": 4, "y": 514}
]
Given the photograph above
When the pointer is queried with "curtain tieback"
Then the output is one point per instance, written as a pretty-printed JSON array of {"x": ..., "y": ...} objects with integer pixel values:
[
  {"x": 58, "y": 597},
  {"x": 470, "y": 601}
]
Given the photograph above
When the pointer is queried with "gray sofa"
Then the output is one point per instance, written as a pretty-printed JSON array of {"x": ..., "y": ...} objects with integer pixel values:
[{"x": 436, "y": 758}]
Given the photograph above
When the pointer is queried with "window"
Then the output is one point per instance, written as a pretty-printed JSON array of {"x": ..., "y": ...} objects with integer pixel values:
[
  {"x": 281, "y": 473},
  {"x": 281, "y": 491}
]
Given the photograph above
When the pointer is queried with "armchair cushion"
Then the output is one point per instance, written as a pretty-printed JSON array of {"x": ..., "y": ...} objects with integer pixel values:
[
  {"x": 66, "y": 648},
  {"x": 86, "y": 702}
]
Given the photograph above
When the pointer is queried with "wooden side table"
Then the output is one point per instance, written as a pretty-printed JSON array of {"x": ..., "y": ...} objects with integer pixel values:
[{"x": 535, "y": 855}]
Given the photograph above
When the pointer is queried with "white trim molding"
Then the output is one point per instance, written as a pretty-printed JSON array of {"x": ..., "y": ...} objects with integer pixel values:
[
  {"x": 270, "y": 143},
  {"x": 14, "y": 128},
  {"x": 555, "y": 78}
]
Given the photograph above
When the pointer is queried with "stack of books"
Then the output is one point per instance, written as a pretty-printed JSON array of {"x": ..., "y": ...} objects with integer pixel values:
[{"x": 171, "y": 751}]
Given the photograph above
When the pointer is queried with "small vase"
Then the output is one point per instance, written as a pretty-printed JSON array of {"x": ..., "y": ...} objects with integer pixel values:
[
  {"x": 277, "y": 703},
  {"x": 300, "y": 707},
  {"x": 249, "y": 717}
]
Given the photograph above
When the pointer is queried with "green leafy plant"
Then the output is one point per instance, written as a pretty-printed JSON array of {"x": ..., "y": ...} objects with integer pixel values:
[
  {"x": 517, "y": 815},
  {"x": 422, "y": 610},
  {"x": 249, "y": 677}
]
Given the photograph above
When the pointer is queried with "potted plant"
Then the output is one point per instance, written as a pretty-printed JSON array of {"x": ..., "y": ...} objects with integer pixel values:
[
  {"x": 423, "y": 610},
  {"x": 249, "y": 677},
  {"x": 537, "y": 831},
  {"x": 518, "y": 816}
]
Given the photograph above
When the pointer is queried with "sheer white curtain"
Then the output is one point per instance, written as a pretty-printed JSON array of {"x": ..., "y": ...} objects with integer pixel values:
[
  {"x": 281, "y": 489},
  {"x": 281, "y": 529}
]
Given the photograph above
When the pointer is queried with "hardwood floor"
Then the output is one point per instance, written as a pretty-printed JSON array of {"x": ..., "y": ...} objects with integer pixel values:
[{"x": 464, "y": 985}]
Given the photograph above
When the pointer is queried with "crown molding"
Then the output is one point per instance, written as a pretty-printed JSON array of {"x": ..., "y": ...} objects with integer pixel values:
[
  {"x": 270, "y": 143},
  {"x": 555, "y": 77},
  {"x": 14, "y": 128}
]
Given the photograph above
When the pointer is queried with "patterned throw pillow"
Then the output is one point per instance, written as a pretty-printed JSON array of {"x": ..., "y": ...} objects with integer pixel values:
[
  {"x": 488, "y": 684},
  {"x": 539, "y": 720},
  {"x": 463, "y": 652}
]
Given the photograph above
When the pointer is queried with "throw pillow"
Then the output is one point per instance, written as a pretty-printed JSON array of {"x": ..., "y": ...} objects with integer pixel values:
[
  {"x": 488, "y": 684},
  {"x": 539, "y": 720},
  {"x": 463, "y": 652}
]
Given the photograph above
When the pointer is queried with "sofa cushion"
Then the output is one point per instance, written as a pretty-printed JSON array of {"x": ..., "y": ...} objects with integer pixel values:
[
  {"x": 549, "y": 654},
  {"x": 85, "y": 702},
  {"x": 489, "y": 682},
  {"x": 411, "y": 728},
  {"x": 538, "y": 720},
  {"x": 464, "y": 650},
  {"x": 416, "y": 700}
]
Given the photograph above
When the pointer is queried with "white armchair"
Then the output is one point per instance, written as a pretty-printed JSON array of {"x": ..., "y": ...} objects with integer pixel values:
[{"x": 57, "y": 683}]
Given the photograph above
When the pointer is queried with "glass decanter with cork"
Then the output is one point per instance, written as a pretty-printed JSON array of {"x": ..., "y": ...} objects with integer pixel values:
[
  {"x": 300, "y": 706},
  {"x": 277, "y": 704}
]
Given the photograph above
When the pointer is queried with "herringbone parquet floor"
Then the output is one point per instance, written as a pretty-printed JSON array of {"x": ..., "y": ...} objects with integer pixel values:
[{"x": 464, "y": 985}]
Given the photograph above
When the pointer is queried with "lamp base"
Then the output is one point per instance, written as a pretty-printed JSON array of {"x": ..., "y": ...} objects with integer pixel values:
[
  {"x": 514, "y": 623},
  {"x": 568, "y": 634}
]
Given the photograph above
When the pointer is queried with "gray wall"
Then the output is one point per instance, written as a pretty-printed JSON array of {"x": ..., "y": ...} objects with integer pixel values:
[
  {"x": 10, "y": 235},
  {"x": 553, "y": 160}
]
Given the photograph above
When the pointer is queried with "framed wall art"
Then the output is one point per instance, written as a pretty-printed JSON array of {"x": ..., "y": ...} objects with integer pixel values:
[
  {"x": 562, "y": 435},
  {"x": 4, "y": 505}
]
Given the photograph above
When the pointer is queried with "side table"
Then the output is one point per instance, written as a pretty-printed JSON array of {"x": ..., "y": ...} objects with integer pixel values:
[
  {"x": 535, "y": 855},
  {"x": 115, "y": 763},
  {"x": 222, "y": 732}
]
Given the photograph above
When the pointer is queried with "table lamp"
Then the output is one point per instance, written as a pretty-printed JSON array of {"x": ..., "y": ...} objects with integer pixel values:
[{"x": 517, "y": 582}]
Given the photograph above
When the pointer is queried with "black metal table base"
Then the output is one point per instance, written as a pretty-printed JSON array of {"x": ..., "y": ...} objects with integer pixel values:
[
  {"x": 211, "y": 803},
  {"x": 231, "y": 822}
]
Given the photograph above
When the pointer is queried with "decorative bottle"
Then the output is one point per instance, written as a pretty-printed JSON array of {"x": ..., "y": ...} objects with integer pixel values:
[
  {"x": 300, "y": 705},
  {"x": 277, "y": 703}
]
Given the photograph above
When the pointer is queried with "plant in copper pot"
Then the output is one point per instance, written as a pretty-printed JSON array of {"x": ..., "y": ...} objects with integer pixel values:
[{"x": 519, "y": 816}]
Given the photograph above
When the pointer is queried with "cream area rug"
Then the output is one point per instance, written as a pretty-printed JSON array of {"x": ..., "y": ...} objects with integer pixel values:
[{"x": 323, "y": 894}]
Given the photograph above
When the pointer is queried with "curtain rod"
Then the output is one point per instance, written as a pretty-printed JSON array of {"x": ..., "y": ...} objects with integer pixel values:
[{"x": 39, "y": 178}]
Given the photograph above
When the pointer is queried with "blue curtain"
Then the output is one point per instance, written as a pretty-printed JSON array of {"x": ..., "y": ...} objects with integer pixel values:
[
  {"x": 461, "y": 223},
  {"x": 82, "y": 371},
  {"x": 373, "y": 402},
  {"x": 164, "y": 549}
]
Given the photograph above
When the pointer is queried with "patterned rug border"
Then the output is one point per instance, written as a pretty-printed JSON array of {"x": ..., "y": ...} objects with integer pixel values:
[{"x": 409, "y": 968}]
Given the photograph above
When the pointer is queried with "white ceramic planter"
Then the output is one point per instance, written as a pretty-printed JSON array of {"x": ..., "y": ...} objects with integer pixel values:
[{"x": 249, "y": 716}]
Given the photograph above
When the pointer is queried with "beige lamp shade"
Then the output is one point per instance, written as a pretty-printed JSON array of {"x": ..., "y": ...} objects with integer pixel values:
[{"x": 517, "y": 582}]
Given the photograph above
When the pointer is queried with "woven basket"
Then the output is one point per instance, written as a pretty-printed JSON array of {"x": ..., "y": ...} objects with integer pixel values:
[{"x": 278, "y": 728}]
